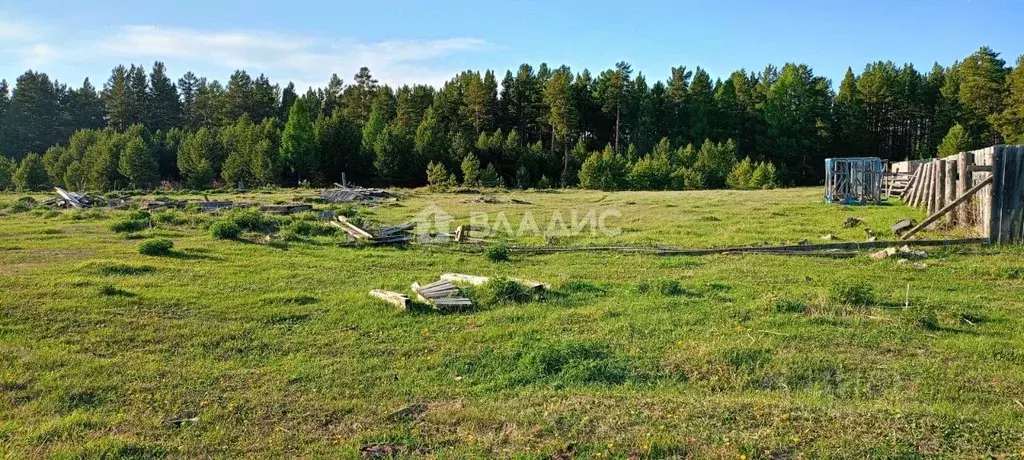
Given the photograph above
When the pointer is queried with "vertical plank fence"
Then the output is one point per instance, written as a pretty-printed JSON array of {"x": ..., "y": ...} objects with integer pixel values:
[{"x": 995, "y": 210}]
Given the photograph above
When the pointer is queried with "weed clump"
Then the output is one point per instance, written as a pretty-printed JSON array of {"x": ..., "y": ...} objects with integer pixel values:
[
  {"x": 252, "y": 220},
  {"x": 851, "y": 294},
  {"x": 497, "y": 253},
  {"x": 572, "y": 363},
  {"x": 225, "y": 230},
  {"x": 156, "y": 247},
  {"x": 925, "y": 318},
  {"x": 129, "y": 225},
  {"x": 665, "y": 287},
  {"x": 777, "y": 304},
  {"x": 500, "y": 290},
  {"x": 309, "y": 228}
]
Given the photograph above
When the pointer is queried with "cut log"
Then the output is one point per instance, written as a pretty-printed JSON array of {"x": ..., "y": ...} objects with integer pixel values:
[
  {"x": 932, "y": 218},
  {"x": 397, "y": 299}
]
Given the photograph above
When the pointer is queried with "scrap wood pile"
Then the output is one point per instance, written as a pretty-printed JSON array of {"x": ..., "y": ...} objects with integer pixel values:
[
  {"x": 444, "y": 295},
  {"x": 66, "y": 199},
  {"x": 344, "y": 194},
  {"x": 395, "y": 234}
]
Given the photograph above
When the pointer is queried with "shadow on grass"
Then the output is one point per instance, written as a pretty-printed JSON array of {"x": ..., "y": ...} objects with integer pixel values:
[{"x": 189, "y": 254}]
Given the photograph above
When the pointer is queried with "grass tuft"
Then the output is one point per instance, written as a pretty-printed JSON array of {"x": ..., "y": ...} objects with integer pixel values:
[
  {"x": 156, "y": 247},
  {"x": 497, "y": 253},
  {"x": 225, "y": 230}
]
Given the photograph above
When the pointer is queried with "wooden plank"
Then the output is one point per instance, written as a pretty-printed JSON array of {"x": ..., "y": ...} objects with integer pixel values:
[
  {"x": 962, "y": 184},
  {"x": 980, "y": 168},
  {"x": 69, "y": 198},
  {"x": 479, "y": 280},
  {"x": 1009, "y": 188},
  {"x": 950, "y": 187},
  {"x": 909, "y": 189},
  {"x": 985, "y": 207},
  {"x": 1010, "y": 219},
  {"x": 397, "y": 299},
  {"x": 921, "y": 185},
  {"x": 353, "y": 229},
  {"x": 468, "y": 279},
  {"x": 915, "y": 198},
  {"x": 940, "y": 185},
  {"x": 996, "y": 204},
  {"x": 927, "y": 194},
  {"x": 932, "y": 218}
]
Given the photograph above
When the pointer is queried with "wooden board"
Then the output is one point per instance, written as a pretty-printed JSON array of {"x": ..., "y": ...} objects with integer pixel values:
[{"x": 397, "y": 299}]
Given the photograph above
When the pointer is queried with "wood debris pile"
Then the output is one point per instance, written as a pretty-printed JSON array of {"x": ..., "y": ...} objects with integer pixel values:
[
  {"x": 395, "y": 234},
  {"x": 284, "y": 209},
  {"x": 442, "y": 295},
  {"x": 66, "y": 199},
  {"x": 349, "y": 194}
]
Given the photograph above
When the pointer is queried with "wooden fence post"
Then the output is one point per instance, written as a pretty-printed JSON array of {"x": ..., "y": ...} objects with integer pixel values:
[
  {"x": 995, "y": 203},
  {"x": 963, "y": 183},
  {"x": 940, "y": 185},
  {"x": 951, "y": 195}
]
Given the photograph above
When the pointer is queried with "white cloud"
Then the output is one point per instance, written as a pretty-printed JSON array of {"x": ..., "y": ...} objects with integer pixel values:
[
  {"x": 307, "y": 61},
  {"x": 304, "y": 60},
  {"x": 12, "y": 31}
]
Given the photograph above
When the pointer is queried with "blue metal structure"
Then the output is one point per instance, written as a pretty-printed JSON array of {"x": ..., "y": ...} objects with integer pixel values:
[{"x": 853, "y": 180}]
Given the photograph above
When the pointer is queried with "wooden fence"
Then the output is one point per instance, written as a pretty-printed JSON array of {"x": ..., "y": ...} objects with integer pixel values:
[{"x": 981, "y": 190}]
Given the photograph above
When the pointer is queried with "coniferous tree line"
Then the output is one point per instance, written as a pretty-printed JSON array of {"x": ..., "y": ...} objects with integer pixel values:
[{"x": 538, "y": 126}]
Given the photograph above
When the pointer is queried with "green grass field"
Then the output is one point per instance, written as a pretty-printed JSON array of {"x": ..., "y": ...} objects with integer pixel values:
[{"x": 228, "y": 348}]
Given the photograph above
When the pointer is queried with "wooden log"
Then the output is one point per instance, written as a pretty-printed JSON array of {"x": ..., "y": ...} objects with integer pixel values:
[
  {"x": 985, "y": 205},
  {"x": 352, "y": 229},
  {"x": 996, "y": 204},
  {"x": 963, "y": 183},
  {"x": 950, "y": 187},
  {"x": 914, "y": 198},
  {"x": 909, "y": 189},
  {"x": 940, "y": 185},
  {"x": 926, "y": 193},
  {"x": 932, "y": 218},
  {"x": 397, "y": 299}
]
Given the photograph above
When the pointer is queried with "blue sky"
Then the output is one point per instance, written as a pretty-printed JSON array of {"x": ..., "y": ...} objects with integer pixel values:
[{"x": 429, "y": 41}]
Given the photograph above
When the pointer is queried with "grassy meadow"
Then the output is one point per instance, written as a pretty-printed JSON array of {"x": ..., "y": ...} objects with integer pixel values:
[{"x": 234, "y": 347}]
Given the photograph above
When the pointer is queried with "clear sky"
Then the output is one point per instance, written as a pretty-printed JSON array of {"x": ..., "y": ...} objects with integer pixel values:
[{"x": 406, "y": 41}]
